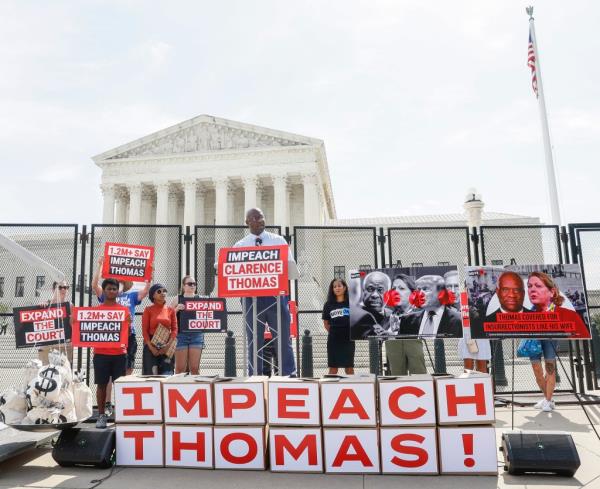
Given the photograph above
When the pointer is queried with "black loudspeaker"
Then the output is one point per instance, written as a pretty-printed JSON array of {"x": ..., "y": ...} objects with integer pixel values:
[
  {"x": 85, "y": 445},
  {"x": 540, "y": 452}
]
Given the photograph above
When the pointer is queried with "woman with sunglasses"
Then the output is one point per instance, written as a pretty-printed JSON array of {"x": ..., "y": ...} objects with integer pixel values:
[
  {"x": 189, "y": 344},
  {"x": 154, "y": 360},
  {"x": 60, "y": 295}
]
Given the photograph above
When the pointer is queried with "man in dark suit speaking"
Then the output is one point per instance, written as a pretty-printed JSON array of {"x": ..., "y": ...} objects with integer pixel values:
[{"x": 433, "y": 319}]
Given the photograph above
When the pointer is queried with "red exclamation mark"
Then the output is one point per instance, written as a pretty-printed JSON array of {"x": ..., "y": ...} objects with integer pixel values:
[{"x": 467, "y": 439}]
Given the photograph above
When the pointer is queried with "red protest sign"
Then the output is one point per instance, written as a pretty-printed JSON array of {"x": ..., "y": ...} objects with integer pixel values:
[
  {"x": 101, "y": 327},
  {"x": 42, "y": 325},
  {"x": 128, "y": 262},
  {"x": 255, "y": 271}
]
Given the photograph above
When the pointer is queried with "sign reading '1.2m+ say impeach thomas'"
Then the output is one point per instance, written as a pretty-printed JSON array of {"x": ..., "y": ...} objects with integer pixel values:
[
  {"x": 253, "y": 271},
  {"x": 128, "y": 262},
  {"x": 105, "y": 327}
]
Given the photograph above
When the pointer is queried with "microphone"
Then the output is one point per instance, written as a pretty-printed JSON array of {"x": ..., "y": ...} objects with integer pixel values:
[{"x": 258, "y": 241}]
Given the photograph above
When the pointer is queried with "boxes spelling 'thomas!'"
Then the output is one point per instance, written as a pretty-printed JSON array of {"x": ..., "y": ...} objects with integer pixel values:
[
  {"x": 406, "y": 400},
  {"x": 294, "y": 402},
  {"x": 188, "y": 399},
  {"x": 240, "y": 401},
  {"x": 349, "y": 401},
  {"x": 138, "y": 399}
]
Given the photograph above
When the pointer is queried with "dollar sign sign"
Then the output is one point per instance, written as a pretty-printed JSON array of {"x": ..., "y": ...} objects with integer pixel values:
[{"x": 47, "y": 384}]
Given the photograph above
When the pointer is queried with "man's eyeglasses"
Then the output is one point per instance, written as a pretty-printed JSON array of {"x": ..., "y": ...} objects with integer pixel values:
[
  {"x": 63, "y": 287},
  {"x": 191, "y": 284},
  {"x": 161, "y": 291},
  {"x": 257, "y": 242}
]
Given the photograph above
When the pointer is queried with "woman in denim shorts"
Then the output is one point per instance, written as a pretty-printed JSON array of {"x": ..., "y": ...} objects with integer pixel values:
[
  {"x": 545, "y": 296},
  {"x": 189, "y": 345}
]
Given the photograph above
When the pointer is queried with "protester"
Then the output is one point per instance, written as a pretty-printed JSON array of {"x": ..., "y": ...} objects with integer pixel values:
[
  {"x": 475, "y": 353},
  {"x": 404, "y": 355},
  {"x": 544, "y": 295},
  {"x": 130, "y": 299},
  {"x": 60, "y": 292},
  {"x": 109, "y": 362},
  {"x": 336, "y": 319},
  {"x": 189, "y": 344},
  {"x": 266, "y": 307},
  {"x": 159, "y": 316}
]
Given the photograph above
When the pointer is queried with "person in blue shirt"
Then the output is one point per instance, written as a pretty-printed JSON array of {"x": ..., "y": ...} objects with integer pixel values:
[
  {"x": 130, "y": 299},
  {"x": 266, "y": 306}
]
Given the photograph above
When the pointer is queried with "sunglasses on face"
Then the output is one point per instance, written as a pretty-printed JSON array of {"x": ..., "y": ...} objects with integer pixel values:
[
  {"x": 161, "y": 291},
  {"x": 63, "y": 287},
  {"x": 191, "y": 284}
]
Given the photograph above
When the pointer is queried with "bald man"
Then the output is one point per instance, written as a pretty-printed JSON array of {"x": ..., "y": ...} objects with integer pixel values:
[
  {"x": 266, "y": 307},
  {"x": 433, "y": 319},
  {"x": 368, "y": 318},
  {"x": 511, "y": 294}
]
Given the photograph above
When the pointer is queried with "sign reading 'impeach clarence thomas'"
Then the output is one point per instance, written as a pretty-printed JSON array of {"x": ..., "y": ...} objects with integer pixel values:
[{"x": 253, "y": 271}]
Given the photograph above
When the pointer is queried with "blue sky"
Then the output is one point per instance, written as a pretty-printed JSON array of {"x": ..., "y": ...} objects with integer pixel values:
[{"x": 416, "y": 101}]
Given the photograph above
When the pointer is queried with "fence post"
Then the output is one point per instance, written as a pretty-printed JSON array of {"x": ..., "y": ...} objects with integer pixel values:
[
  {"x": 230, "y": 367},
  {"x": 374, "y": 353},
  {"x": 307, "y": 354},
  {"x": 83, "y": 239},
  {"x": 187, "y": 239},
  {"x": 439, "y": 352}
]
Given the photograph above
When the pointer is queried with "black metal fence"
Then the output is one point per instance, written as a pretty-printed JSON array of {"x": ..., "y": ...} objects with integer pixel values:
[
  {"x": 25, "y": 282},
  {"x": 322, "y": 253}
]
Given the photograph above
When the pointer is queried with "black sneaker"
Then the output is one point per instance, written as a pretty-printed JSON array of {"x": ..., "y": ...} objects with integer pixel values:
[
  {"x": 101, "y": 422},
  {"x": 109, "y": 409}
]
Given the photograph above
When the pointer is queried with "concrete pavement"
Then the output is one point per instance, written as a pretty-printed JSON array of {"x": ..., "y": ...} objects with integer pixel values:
[{"x": 37, "y": 469}]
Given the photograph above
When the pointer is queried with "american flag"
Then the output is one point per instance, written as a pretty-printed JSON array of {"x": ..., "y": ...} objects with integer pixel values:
[{"x": 531, "y": 64}]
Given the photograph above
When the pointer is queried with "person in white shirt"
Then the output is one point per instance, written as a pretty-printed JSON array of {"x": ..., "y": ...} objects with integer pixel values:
[{"x": 267, "y": 306}]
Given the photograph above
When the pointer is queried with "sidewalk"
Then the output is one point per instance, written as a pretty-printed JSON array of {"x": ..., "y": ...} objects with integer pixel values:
[{"x": 37, "y": 469}]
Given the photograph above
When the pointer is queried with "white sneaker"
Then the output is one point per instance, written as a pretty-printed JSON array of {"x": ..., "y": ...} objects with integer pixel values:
[
  {"x": 539, "y": 404},
  {"x": 547, "y": 406},
  {"x": 551, "y": 401}
]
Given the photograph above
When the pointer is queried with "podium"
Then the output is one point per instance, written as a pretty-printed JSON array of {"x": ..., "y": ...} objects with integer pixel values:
[{"x": 259, "y": 276}]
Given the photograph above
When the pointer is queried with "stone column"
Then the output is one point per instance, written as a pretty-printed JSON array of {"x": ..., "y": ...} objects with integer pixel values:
[
  {"x": 162, "y": 203},
  {"x": 221, "y": 198},
  {"x": 121, "y": 207},
  {"x": 189, "y": 205},
  {"x": 172, "y": 212},
  {"x": 108, "y": 211},
  {"x": 311, "y": 199},
  {"x": 135, "y": 202},
  {"x": 250, "y": 193},
  {"x": 200, "y": 202},
  {"x": 280, "y": 201}
]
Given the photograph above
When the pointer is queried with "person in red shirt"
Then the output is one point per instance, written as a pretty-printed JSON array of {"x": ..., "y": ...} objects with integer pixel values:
[
  {"x": 110, "y": 362},
  {"x": 154, "y": 360}
]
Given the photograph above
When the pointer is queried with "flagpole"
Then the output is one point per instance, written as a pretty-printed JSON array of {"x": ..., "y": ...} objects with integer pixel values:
[{"x": 550, "y": 170}]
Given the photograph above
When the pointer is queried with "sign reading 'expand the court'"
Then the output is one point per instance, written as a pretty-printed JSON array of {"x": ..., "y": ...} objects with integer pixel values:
[
  {"x": 203, "y": 315},
  {"x": 253, "y": 271},
  {"x": 104, "y": 327},
  {"x": 128, "y": 262},
  {"x": 42, "y": 325}
]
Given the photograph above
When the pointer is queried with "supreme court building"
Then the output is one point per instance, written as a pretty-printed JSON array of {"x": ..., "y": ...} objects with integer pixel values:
[{"x": 209, "y": 171}]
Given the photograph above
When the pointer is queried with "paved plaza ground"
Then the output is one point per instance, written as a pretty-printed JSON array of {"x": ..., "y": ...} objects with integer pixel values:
[{"x": 37, "y": 469}]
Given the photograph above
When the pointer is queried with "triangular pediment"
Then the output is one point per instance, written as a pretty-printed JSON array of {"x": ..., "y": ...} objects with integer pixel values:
[{"x": 205, "y": 134}]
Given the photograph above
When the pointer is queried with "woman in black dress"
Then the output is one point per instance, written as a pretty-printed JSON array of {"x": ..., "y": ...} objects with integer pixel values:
[{"x": 336, "y": 319}]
